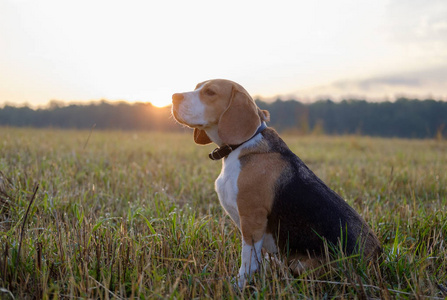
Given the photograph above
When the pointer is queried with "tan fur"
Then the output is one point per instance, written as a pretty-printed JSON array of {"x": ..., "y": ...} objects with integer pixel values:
[
  {"x": 264, "y": 115},
  {"x": 216, "y": 96},
  {"x": 256, "y": 185},
  {"x": 240, "y": 120}
]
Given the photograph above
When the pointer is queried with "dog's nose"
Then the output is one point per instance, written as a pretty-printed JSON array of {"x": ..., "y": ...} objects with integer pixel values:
[{"x": 177, "y": 98}]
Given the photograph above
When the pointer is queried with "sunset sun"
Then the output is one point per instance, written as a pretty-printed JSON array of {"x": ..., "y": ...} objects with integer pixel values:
[{"x": 160, "y": 103}]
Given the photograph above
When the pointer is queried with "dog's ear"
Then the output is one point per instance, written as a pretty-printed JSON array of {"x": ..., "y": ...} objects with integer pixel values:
[
  {"x": 264, "y": 115},
  {"x": 200, "y": 137},
  {"x": 240, "y": 120}
]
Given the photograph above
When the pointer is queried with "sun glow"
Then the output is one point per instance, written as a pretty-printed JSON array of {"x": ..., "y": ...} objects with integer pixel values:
[
  {"x": 161, "y": 103},
  {"x": 161, "y": 98}
]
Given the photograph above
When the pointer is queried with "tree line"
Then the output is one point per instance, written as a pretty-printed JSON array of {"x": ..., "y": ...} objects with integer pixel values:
[{"x": 407, "y": 118}]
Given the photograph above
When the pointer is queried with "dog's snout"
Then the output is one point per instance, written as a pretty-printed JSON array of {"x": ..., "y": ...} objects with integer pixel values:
[{"x": 177, "y": 98}]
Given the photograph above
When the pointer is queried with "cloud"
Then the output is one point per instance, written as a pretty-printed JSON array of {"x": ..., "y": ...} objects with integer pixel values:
[
  {"x": 401, "y": 81},
  {"x": 440, "y": 27},
  {"x": 426, "y": 83}
]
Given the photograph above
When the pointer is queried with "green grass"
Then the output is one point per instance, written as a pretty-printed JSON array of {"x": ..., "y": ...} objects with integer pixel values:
[{"x": 135, "y": 215}]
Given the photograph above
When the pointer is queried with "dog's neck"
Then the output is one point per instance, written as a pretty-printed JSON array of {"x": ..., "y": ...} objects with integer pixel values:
[
  {"x": 212, "y": 133},
  {"x": 224, "y": 150}
]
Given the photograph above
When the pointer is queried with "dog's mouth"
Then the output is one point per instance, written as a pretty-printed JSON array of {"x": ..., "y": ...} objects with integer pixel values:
[{"x": 176, "y": 114}]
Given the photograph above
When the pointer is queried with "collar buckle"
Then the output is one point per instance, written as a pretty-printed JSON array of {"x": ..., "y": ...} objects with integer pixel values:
[{"x": 221, "y": 152}]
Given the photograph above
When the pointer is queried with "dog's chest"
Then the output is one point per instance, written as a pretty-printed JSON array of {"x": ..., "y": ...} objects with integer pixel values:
[{"x": 226, "y": 185}]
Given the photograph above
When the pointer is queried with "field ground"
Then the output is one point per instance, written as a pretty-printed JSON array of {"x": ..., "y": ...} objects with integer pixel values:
[{"x": 134, "y": 215}]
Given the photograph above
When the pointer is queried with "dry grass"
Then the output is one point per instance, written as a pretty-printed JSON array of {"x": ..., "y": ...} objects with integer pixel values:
[{"x": 135, "y": 215}]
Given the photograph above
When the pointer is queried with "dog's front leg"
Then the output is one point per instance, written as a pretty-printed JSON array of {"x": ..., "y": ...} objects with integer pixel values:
[
  {"x": 250, "y": 259},
  {"x": 253, "y": 226}
]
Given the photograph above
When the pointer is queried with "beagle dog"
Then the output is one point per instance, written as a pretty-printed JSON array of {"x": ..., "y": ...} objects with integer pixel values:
[{"x": 276, "y": 201}]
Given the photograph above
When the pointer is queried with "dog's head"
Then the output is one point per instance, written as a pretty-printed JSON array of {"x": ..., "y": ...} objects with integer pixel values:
[{"x": 219, "y": 103}]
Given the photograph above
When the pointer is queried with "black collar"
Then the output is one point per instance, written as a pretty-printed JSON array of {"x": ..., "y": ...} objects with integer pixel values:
[{"x": 224, "y": 151}]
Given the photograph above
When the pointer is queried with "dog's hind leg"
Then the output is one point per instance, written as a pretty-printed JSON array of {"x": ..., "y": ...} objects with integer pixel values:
[{"x": 299, "y": 264}]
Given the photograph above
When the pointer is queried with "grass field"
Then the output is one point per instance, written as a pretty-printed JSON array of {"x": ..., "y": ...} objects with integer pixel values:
[{"x": 135, "y": 215}]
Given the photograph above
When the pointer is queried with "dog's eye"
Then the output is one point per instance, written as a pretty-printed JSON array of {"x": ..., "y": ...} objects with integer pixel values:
[{"x": 210, "y": 92}]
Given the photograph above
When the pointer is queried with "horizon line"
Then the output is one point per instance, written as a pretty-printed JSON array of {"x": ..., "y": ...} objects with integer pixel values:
[{"x": 284, "y": 98}]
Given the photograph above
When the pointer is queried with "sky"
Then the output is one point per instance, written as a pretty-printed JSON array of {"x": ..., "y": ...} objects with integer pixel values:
[{"x": 145, "y": 51}]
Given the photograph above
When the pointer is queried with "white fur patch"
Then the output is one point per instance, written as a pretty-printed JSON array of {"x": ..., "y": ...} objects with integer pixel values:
[
  {"x": 226, "y": 185},
  {"x": 250, "y": 259},
  {"x": 191, "y": 110}
]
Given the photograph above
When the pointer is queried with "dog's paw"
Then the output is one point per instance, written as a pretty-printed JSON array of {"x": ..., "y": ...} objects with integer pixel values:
[
  {"x": 241, "y": 281},
  {"x": 236, "y": 284}
]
